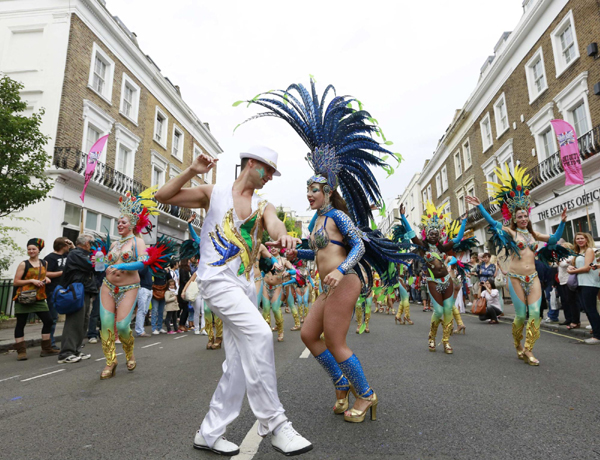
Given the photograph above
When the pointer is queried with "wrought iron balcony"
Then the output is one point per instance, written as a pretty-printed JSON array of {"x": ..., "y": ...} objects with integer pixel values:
[{"x": 75, "y": 160}]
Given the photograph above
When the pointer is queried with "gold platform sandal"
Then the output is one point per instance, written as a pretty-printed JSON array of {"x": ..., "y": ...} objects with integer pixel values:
[
  {"x": 108, "y": 347},
  {"x": 356, "y": 416},
  {"x": 341, "y": 405}
]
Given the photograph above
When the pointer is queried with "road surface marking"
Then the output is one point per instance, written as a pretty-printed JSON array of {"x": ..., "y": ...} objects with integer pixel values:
[
  {"x": 43, "y": 375},
  {"x": 250, "y": 444},
  {"x": 151, "y": 345},
  {"x": 305, "y": 353},
  {"x": 10, "y": 378},
  {"x": 102, "y": 359},
  {"x": 181, "y": 337},
  {"x": 563, "y": 335}
]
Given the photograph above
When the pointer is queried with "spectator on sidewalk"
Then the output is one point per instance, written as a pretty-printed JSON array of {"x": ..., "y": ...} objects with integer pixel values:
[
  {"x": 492, "y": 299},
  {"x": 588, "y": 280},
  {"x": 184, "y": 307},
  {"x": 171, "y": 307},
  {"x": 143, "y": 301},
  {"x": 159, "y": 287},
  {"x": 474, "y": 278},
  {"x": 78, "y": 269},
  {"x": 568, "y": 299},
  {"x": 56, "y": 263},
  {"x": 550, "y": 283},
  {"x": 92, "y": 333},
  {"x": 31, "y": 280}
]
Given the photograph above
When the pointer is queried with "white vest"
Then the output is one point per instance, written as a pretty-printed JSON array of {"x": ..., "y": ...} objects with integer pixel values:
[{"x": 224, "y": 246}]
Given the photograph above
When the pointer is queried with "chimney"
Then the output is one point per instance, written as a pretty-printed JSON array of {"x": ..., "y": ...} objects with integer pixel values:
[{"x": 177, "y": 89}]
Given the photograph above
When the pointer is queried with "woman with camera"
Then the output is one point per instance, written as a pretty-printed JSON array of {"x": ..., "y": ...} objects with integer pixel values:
[{"x": 492, "y": 299}]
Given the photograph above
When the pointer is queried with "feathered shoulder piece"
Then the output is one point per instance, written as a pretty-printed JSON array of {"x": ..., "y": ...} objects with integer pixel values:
[
  {"x": 159, "y": 255},
  {"x": 101, "y": 244},
  {"x": 466, "y": 244},
  {"x": 553, "y": 254},
  {"x": 340, "y": 141},
  {"x": 189, "y": 249},
  {"x": 512, "y": 192}
]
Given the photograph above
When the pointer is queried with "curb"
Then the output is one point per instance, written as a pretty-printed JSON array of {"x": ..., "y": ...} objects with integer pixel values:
[
  {"x": 6, "y": 346},
  {"x": 576, "y": 333}
]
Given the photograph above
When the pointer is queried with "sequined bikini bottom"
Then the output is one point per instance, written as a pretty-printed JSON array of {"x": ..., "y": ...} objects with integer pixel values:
[
  {"x": 441, "y": 284},
  {"x": 525, "y": 280},
  {"x": 118, "y": 292},
  {"x": 326, "y": 287}
]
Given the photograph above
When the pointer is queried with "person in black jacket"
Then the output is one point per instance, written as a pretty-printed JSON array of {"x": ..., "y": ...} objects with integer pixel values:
[{"x": 78, "y": 269}]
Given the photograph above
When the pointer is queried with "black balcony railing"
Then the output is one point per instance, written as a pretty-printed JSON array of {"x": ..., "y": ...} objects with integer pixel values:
[
  {"x": 75, "y": 160},
  {"x": 551, "y": 167}
]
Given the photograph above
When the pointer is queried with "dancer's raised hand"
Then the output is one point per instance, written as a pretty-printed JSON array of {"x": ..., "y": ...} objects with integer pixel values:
[{"x": 472, "y": 200}]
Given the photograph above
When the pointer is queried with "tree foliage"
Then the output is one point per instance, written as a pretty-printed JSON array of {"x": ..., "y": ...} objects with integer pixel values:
[
  {"x": 22, "y": 156},
  {"x": 290, "y": 224},
  {"x": 8, "y": 248}
]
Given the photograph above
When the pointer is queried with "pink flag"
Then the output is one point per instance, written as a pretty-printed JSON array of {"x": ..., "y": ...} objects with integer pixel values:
[
  {"x": 569, "y": 152},
  {"x": 92, "y": 160}
]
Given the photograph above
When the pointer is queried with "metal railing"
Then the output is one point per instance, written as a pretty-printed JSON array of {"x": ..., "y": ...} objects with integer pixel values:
[
  {"x": 75, "y": 160},
  {"x": 6, "y": 295},
  {"x": 551, "y": 167}
]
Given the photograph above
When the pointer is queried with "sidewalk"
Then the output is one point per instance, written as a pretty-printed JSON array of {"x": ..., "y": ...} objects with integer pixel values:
[
  {"x": 33, "y": 336},
  {"x": 582, "y": 332}
]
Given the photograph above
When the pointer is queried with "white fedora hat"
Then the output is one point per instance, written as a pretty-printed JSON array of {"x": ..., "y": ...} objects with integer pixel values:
[{"x": 264, "y": 154}]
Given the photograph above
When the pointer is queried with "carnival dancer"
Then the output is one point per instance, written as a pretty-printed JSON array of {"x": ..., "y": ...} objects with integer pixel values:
[
  {"x": 118, "y": 294},
  {"x": 441, "y": 290},
  {"x": 404, "y": 303},
  {"x": 273, "y": 290},
  {"x": 517, "y": 237},
  {"x": 230, "y": 242},
  {"x": 363, "y": 304},
  {"x": 339, "y": 143}
]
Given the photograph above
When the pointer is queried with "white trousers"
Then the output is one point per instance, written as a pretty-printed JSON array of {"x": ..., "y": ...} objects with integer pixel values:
[{"x": 249, "y": 361}]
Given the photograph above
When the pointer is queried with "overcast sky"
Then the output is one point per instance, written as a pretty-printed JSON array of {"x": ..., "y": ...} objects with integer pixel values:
[{"x": 411, "y": 63}]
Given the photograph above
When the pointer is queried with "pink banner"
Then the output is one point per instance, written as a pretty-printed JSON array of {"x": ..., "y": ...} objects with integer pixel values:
[
  {"x": 92, "y": 159},
  {"x": 569, "y": 152}
]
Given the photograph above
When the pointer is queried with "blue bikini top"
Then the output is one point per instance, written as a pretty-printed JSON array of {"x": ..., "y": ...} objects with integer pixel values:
[{"x": 320, "y": 238}]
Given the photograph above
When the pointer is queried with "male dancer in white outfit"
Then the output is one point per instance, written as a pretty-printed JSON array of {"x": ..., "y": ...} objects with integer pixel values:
[{"x": 230, "y": 241}]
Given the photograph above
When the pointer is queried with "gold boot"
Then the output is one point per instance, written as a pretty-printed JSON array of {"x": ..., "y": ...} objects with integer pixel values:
[
  {"x": 355, "y": 416},
  {"x": 219, "y": 334},
  {"x": 210, "y": 331},
  {"x": 533, "y": 333},
  {"x": 297, "y": 326},
  {"x": 279, "y": 325},
  {"x": 446, "y": 333},
  {"x": 128, "y": 349},
  {"x": 407, "y": 319},
  {"x": 432, "y": 333},
  {"x": 460, "y": 326},
  {"x": 398, "y": 317},
  {"x": 367, "y": 318},
  {"x": 517, "y": 332},
  {"x": 359, "y": 318},
  {"x": 108, "y": 348}
]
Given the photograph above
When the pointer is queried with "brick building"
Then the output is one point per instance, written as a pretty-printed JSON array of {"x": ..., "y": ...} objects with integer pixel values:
[
  {"x": 85, "y": 68},
  {"x": 546, "y": 68}
]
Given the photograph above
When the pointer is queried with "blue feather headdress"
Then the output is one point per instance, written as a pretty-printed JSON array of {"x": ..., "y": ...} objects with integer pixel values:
[{"x": 339, "y": 139}]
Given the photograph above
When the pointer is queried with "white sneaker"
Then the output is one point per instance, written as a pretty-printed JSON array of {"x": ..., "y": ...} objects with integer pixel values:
[
  {"x": 93, "y": 340},
  {"x": 592, "y": 341},
  {"x": 289, "y": 442},
  {"x": 589, "y": 326},
  {"x": 203, "y": 332},
  {"x": 69, "y": 359},
  {"x": 162, "y": 331},
  {"x": 470, "y": 304},
  {"x": 155, "y": 332},
  {"x": 84, "y": 356},
  {"x": 197, "y": 331},
  {"x": 222, "y": 446}
]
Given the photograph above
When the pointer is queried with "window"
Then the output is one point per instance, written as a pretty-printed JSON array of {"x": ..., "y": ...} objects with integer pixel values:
[
  {"x": 96, "y": 123},
  {"x": 466, "y": 148},
  {"x": 91, "y": 220},
  {"x": 542, "y": 131},
  {"x": 72, "y": 214},
  {"x": 177, "y": 144},
  {"x": 444, "y": 179},
  {"x": 501, "y": 116},
  {"x": 457, "y": 164},
  {"x": 447, "y": 210},
  {"x": 461, "y": 203},
  {"x": 580, "y": 120},
  {"x": 124, "y": 161},
  {"x": 424, "y": 199},
  {"x": 105, "y": 224},
  {"x": 127, "y": 145},
  {"x": 547, "y": 143},
  {"x": 438, "y": 185},
  {"x": 160, "y": 128},
  {"x": 101, "y": 73},
  {"x": 159, "y": 167},
  {"x": 429, "y": 194},
  {"x": 564, "y": 44},
  {"x": 93, "y": 134},
  {"x": 535, "y": 72},
  {"x": 130, "y": 99},
  {"x": 486, "y": 132},
  {"x": 579, "y": 225}
]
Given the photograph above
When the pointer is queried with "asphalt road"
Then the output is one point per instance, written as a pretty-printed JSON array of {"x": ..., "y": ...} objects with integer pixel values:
[{"x": 479, "y": 403}]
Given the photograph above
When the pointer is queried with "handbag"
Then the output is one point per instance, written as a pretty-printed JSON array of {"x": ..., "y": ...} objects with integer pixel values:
[
  {"x": 30, "y": 296},
  {"x": 479, "y": 307},
  {"x": 158, "y": 291},
  {"x": 68, "y": 299},
  {"x": 192, "y": 291},
  {"x": 573, "y": 282},
  {"x": 500, "y": 281}
]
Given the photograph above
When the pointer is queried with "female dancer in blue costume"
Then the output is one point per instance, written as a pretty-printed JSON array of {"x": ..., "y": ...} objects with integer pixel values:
[
  {"x": 519, "y": 239},
  {"x": 441, "y": 290},
  {"x": 340, "y": 154},
  {"x": 404, "y": 303},
  {"x": 119, "y": 289}
]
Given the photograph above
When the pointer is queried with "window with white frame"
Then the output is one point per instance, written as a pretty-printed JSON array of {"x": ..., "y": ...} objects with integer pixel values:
[
  {"x": 447, "y": 209},
  {"x": 177, "y": 143},
  {"x": 429, "y": 194},
  {"x": 564, "y": 44},
  {"x": 101, "y": 76},
  {"x": 174, "y": 171},
  {"x": 547, "y": 143},
  {"x": 130, "y": 99},
  {"x": 159, "y": 168},
  {"x": 542, "y": 132},
  {"x": 580, "y": 119},
  {"x": 489, "y": 173},
  {"x": 466, "y": 148},
  {"x": 460, "y": 197},
  {"x": 424, "y": 199},
  {"x": 438, "y": 184},
  {"x": 100, "y": 223},
  {"x": 127, "y": 146},
  {"x": 457, "y": 164},
  {"x": 444, "y": 179},
  {"x": 573, "y": 104},
  {"x": 501, "y": 116},
  {"x": 535, "y": 72},
  {"x": 486, "y": 132},
  {"x": 160, "y": 127},
  {"x": 96, "y": 123}
]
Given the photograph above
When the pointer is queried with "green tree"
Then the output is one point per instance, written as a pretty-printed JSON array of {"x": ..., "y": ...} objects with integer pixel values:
[
  {"x": 290, "y": 224},
  {"x": 23, "y": 159}
]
